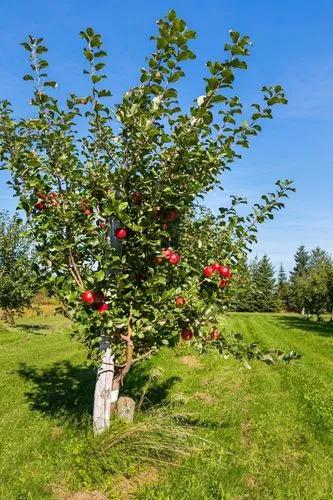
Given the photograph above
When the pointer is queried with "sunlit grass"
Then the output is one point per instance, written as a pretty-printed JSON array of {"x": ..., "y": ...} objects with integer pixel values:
[{"x": 208, "y": 428}]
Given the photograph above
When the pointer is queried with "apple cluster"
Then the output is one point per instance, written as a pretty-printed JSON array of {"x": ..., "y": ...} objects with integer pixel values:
[
  {"x": 224, "y": 272},
  {"x": 187, "y": 334},
  {"x": 44, "y": 200},
  {"x": 96, "y": 299}
]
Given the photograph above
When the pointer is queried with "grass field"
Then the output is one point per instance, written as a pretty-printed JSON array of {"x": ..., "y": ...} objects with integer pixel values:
[{"x": 264, "y": 433}]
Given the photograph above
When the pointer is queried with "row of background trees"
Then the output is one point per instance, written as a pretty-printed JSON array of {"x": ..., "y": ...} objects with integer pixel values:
[{"x": 308, "y": 289}]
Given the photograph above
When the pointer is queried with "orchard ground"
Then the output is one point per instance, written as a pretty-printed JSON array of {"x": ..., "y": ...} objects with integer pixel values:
[{"x": 208, "y": 428}]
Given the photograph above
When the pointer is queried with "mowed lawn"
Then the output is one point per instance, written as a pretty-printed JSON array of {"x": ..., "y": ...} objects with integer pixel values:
[{"x": 263, "y": 433}]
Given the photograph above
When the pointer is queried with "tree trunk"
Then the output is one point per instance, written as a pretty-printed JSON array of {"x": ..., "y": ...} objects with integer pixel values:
[
  {"x": 303, "y": 311},
  {"x": 104, "y": 395}
]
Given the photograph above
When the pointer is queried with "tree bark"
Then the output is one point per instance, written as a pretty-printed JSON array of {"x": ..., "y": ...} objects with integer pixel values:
[{"x": 104, "y": 396}]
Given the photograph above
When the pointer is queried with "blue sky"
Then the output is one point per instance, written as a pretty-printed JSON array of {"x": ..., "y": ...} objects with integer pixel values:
[{"x": 293, "y": 43}]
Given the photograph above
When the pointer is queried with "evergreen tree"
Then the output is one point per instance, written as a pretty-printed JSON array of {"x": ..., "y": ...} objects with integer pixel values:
[
  {"x": 319, "y": 257},
  {"x": 282, "y": 276},
  {"x": 301, "y": 259},
  {"x": 264, "y": 297},
  {"x": 282, "y": 289}
]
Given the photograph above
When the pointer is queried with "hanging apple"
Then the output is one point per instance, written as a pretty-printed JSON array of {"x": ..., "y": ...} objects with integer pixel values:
[
  {"x": 186, "y": 334},
  {"x": 225, "y": 271},
  {"x": 102, "y": 307},
  {"x": 121, "y": 233},
  {"x": 208, "y": 271},
  {"x": 88, "y": 297},
  {"x": 180, "y": 301},
  {"x": 215, "y": 334}
]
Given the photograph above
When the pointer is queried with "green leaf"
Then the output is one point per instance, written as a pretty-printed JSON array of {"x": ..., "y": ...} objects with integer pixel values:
[
  {"x": 89, "y": 55},
  {"x": 51, "y": 84},
  {"x": 100, "y": 275}
]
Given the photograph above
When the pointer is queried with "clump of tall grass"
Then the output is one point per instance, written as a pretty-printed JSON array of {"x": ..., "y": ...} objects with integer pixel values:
[{"x": 156, "y": 438}]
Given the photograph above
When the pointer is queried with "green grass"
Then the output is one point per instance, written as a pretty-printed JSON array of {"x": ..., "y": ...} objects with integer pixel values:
[{"x": 226, "y": 432}]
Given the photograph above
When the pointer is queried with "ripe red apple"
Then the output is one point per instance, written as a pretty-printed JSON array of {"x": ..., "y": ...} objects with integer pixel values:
[
  {"x": 216, "y": 266},
  {"x": 174, "y": 258},
  {"x": 102, "y": 307},
  {"x": 180, "y": 301},
  {"x": 215, "y": 335},
  {"x": 88, "y": 211},
  {"x": 88, "y": 297},
  {"x": 186, "y": 334},
  {"x": 158, "y": 259},
  {"x": 99, "y": 296},
  {"x": 225, "y": 271},
  {"x": 208, "y": 271},
  {"x": 167, "y": 252},
  {"x": 53, "y": 199},
  {"x": 172, "y": 215},
  {"x": 121, "y": 233},
  {"x": 223, "y": 283},
  {"x": 40, "y": 205},
  {"x": 137, "y": 198}
]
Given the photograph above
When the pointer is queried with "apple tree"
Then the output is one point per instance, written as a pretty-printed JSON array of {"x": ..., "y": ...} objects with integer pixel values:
[
  {"x": 112, "y": 210},
  {"x": 18, "y": 280}
]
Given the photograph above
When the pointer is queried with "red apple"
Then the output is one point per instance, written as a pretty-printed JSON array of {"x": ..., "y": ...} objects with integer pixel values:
[
  {"x": 53, "y": 199},
  {"x": 172, "y": 215},
  {"x": 88, "y": 297},
  {"x": 186, "y": 334},
  {"x": 216, "y": 266},
  {"x": 167, "y": 252},
  {"x": 137, "y": 198},
  {"x": 223, "y": 283},
  {"x": 208, "y": 271},
  {"x": 99, "y": 296},
  {"x": 215, "y": 335},
  {"x": 102, "y": 307},
  {"x": 88, "y": 211},
  {"x": 40, "y": 205},
  {"x": 165, "y": 226},
  {"x": 174, "y": 258},
  {"x": 180, "y": 301},
  {"x": 225, "y": 271},
  {"x": 121, "y": 233}
]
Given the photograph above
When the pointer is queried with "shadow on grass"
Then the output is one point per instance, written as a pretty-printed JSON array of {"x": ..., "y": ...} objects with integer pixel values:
[
  {"x": 63, "y": 390},
  {"x": 36, "y": 329},
  {"x": 202, "y": 422},
  {"x": 323, "y": 329},
  {"x": 141, "y": 383}
]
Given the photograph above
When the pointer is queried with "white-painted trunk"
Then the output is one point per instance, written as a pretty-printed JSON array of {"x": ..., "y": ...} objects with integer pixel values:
[{"x": 104, "y": 395}]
